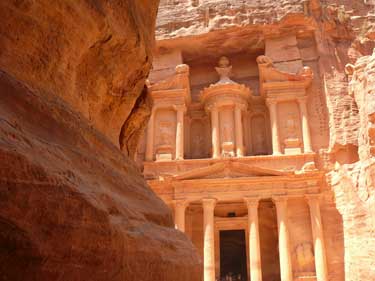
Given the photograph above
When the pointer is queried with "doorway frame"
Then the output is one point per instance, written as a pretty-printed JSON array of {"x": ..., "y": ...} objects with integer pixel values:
[{"x": 230, "y": 223}]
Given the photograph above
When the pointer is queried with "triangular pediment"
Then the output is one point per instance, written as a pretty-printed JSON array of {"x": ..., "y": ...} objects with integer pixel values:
[{"x": 229, "y": 169}]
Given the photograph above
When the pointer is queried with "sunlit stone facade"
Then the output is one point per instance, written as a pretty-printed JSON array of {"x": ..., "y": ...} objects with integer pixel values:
[{"x": 229, "y": 148}]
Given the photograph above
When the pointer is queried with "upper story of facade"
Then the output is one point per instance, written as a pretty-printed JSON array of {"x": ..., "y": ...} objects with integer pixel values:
[{"x": 241, "y": 94}]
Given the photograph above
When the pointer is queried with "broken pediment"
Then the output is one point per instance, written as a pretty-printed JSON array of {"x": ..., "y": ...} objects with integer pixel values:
[
  {"x": 272, "y": 78},
  {"x": 229, "y": 169}
]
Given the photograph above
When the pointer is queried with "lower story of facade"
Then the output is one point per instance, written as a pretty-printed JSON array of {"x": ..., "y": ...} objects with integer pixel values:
[{"x": 256, "y": 223}]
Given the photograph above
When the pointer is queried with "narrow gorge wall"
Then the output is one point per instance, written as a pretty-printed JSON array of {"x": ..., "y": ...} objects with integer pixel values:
[{"x": 72, "y": 206}]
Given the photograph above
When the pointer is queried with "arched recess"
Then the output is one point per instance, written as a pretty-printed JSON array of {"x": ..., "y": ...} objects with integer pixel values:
[
  {"x": 259, "y": 136},
  {"x": 165, "y": 134},
  {"x": 199, "y": 140}
]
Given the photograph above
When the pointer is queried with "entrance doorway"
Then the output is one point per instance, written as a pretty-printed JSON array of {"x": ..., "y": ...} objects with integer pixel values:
[{"x": 233, "y": 255}]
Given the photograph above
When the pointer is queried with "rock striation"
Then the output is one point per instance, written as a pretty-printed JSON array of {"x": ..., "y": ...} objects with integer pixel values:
[{"x": 72, "y": 206}]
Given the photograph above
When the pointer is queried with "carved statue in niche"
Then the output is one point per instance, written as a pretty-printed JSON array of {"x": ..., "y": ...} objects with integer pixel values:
[
  {"x": 258, "y": 135},
  {"x": 227, "y": 133},
  {"x": 291, "y": 131},
  {"x": 197, "y": 139},
  {"x": 165, "y": 133},
  {"x": 224, "y": 70},
  {"x": 227, "y": 145},
  {"x": 259, "y": 143},
  {"x": 198, "y": 146},
  {"x": 305, "y": 257},
  {"x": 164, "y": 149},
  {"x": 291, "y": 126}
]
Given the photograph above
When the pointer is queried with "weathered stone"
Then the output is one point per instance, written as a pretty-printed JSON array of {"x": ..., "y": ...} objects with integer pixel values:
[
  {"x": 275, "y": 117},
  {"x": 72, "y": 205}
]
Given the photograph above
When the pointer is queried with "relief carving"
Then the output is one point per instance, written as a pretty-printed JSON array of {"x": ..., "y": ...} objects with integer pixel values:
[
  {"x": 291, "y": 127},
  {"x": 258, "y": 135},
  {"x": 224, "y": 70},
  {"x": 165, "y": 134},
  {"x": 198, "y": 146},
  {"x": 227, "y": 133},
  {"x": 291, "y": 133},
  {"x": 228, "y": 143},
  {"x": 165, "y": 144},
  {"x": 305, "y": 257}
]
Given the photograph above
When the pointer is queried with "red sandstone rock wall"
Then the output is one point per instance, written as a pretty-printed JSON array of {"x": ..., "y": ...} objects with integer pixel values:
[
  {"x": 347, "y": 37},
  {"x": 72, "y": 206},
  {"x": 354, "y": 184},
  {"x": 93, "y": 54}
]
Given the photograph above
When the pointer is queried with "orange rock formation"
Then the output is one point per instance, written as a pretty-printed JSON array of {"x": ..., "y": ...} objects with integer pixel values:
[
  {"x": 74, "y": 105},
  {"x": 72, "y": 206}
]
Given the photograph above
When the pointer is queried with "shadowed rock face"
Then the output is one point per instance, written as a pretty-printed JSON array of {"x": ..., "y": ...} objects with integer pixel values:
[
  {"x": 72, "y": 206},
  {"x": 94, "y": 54}
]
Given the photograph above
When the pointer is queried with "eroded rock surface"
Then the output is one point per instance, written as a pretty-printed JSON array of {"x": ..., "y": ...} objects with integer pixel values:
[
  {"x": 354, "y": 183},
  {"x": 93, "y": 54},
  {"x": 72, "y": 206}
]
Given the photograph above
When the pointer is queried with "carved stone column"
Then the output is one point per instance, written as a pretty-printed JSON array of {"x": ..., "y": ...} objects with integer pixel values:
[
  {"x": 179, "y": 214},
  {"x": 239, "y": 133},
  {"x": 254, "y": 242},
  {"x": 208, "y": 239},
  {"x": 317, "y": 231},
  {"x": 187, "y": 145},
  {"x": 272, "y": 106},
  {"x": 180, "y": 133},
  {"x": 305, "y": 125},
  {"x": 215, "y": 132},
  {"x": 284, "y": 250},
  {"x": 150, "y": 137}
]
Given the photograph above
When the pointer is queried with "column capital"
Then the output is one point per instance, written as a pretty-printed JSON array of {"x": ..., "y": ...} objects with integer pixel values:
[
  {"x": 271, "y": 101},
  {"x": 251, "y": 201},
  {"x": 313, "y": 198},
  {"x": 212, "y": 107},
  {"x": 181, "y": 203},
  {"x": 280, "y": 199},
  {"x": 239, "y": 106},
  {"x": 302, "y": 100},
  {"x": 179, "y": 107},
  {"x": 209, "y": 203}
]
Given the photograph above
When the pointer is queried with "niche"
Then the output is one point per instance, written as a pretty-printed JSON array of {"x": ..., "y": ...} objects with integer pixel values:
[
  {"x": 198, "y": 140},
  {"x": 165, "y": 134},
  {"x": 258, "y": 135}
]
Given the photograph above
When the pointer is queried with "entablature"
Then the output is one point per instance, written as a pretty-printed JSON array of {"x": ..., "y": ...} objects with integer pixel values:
[
  {"x": 280, "y": 83},
  {"x": 175, "y": 88},
  {"x": 278, "y": 165},
  {"x": 235, "y": 189}
]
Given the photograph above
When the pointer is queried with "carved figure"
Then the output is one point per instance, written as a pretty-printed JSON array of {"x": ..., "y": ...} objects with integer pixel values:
[
  {"x": 259, "y": 143},
  {"x": 198, "y": 145},
  {"x": 227, "y": 133},
  {"x": 224, "y": 69},
  {"x": 291, "y": 127},
  {"x": 165, "y": 133},
  {"x": 264, "y": 61},
  {"x": 305, "y": 257}
]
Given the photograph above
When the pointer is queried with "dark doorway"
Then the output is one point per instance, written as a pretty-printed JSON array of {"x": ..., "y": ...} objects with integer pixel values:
[{"x": 233, "y": 255}]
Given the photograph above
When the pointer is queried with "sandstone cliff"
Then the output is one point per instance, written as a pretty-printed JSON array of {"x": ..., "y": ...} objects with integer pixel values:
[
  {"x": 354, "y": 184},
  {"x": 72, "y": 206}
]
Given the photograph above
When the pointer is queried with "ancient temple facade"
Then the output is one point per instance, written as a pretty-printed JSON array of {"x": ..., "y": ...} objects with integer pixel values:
[{"x": 232, "y": 146}]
